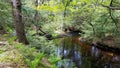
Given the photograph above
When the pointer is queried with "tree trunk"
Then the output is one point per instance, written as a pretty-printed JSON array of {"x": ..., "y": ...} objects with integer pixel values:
[
  {"x": 36, "y": 18},
  {"x": 19, "y": 25}
]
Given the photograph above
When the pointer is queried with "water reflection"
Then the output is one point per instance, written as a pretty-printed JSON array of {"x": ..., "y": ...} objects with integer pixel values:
[{"x": 76, "y": 54}]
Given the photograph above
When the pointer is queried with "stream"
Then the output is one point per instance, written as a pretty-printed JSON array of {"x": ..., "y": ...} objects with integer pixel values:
[{"x": 76, "y": 54}]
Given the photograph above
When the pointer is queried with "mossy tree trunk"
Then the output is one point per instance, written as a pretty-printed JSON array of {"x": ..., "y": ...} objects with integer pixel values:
[{"x": 19, "y": 25}]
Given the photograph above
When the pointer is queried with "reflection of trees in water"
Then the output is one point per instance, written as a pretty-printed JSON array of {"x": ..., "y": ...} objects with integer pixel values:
[
  {"x": 104, "y": 59},
  {"x": 84, "y": 56},
  {"x": 69, "y": 50}
]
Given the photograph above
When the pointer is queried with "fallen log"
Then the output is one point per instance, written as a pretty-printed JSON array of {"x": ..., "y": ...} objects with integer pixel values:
[{"x": 106, "y": 47}]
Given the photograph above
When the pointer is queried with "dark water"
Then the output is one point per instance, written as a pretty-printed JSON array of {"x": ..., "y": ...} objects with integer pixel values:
[{"x": 76, "y": 54}]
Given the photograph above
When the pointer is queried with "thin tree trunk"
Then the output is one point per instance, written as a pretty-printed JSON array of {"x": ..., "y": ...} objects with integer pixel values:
[
  {"x": 19, "y": 25},
  {"x": 36, "y": 18}
]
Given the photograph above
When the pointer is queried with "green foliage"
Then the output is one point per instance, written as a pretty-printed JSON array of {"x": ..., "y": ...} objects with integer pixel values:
[
  {"x": 34, "y": 63},
  {"x": 53, "y": 59},
  {"x": 31, "y": 56},
  {"x": 89, "y": 16},
  {"x": 9, "y": 54},
  {"x": 43, "y": 44},
  {"x": 51, "y": 14},
  {"x": 6, "y": 15}
]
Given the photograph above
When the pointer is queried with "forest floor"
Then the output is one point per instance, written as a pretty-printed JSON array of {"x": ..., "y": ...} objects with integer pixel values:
[
  {"x": 10, "y": 57},
  {"x": 12, "y": 54}
]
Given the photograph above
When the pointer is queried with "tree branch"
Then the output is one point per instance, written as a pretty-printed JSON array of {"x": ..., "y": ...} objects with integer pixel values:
[
  {"x": 110, "y": 7},
  {"x": 110, "y": 12},
  {"x": 68, "y": 2}
]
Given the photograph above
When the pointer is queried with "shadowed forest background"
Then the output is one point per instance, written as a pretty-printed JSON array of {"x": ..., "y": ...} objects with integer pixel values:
[{"x": 59, "y": 33}]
